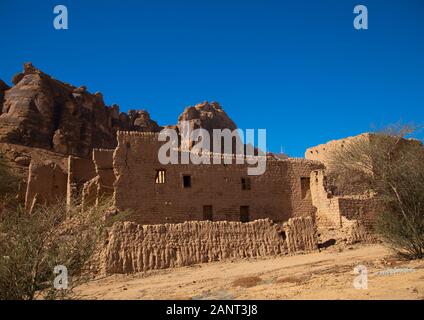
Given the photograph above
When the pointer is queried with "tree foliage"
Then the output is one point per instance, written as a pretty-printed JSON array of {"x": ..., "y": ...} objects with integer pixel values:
[
  {"x": 391, "y": 167},
  {"x": 32, "y": 245}
]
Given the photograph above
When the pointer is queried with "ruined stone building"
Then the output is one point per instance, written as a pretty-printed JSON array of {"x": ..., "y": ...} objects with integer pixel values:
[
  {"x": 59, "y": 133},
  {"x": 68, "y": 145},
  {"x": 182, "y": 192},
  {"x": 157, "y": 194}
]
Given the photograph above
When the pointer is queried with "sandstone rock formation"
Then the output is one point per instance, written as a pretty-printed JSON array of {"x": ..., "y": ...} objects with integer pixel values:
[
  {"x": 207, "y": 116},
  {"x": 139, "y": 120},
  {"x": 3, "y": 88},
  {"x": 39, "y": 111}
]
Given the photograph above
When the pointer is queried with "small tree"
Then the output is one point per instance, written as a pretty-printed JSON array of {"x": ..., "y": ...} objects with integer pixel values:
[
  {"x": 31, "y": 246},
  {"x": 392, "y": 168}
]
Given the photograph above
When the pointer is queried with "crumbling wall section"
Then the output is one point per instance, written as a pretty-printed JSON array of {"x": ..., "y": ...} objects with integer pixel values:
[
  {"x": 89, "y": 193},
  {"x": 80, "y": 170},
  {"x": 47, "y": 184},
  {"x": 134, "y": 248},
  {"x": 325, "y": 152},
  {"x": 352, "y": 216},
  {"x": 363, "y": 208},
  {"x": 328, "y": 208},
  {"x": 103, "y": 161},
  {"x": 301, "y": 234},
  {"x": 101, "y": 186}
]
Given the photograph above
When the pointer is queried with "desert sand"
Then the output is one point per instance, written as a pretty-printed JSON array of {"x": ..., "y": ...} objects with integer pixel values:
[{"x": 320, "y": 275}]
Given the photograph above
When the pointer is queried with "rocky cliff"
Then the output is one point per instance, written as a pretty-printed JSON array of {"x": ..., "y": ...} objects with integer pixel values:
[
  {"x": 40, "y": 111},
  {"x": 208, "y": 116},
  {"x": 3, "y": 88},
  {"x": 43, "y": 112}
]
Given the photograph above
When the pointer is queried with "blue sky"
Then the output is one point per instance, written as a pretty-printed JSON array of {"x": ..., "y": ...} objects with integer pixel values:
[{"x": 296, "y": 68}]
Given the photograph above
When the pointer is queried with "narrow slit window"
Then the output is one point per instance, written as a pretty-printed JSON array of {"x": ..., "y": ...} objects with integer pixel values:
[
  {"x": 245, "y": 183},
  {"x": 160, "y": 176},
  {"x": 305, "y": 186},
  {"x": 187, "y": 181},
  {"x": 207, "y": 213}
]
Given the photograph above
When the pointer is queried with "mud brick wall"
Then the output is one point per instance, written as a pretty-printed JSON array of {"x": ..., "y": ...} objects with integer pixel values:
[
  {"x": 363, "y": 209},
  {"x": 328, "y": 208},
  {"x": 298, "y": 178},
  {"x": 89, "y": 193},
  {"x": 277, "y": 194},
  {"x": 47, "y": 184},
  {"x": 351, "y": 216},
  {"x": 103, "y": 161},
  {"x": 324, "y": 152},
  {"x": 101, "y": 186},
  {"x": 301, "y": 234},
  {"x": 134, "y": 248},
  {"x": 80, "y": 170}
]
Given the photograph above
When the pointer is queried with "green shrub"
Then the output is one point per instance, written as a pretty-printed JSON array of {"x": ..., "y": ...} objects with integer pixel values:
[
  {"x": 31, "y": 245},
  {"x": 392, "y": 168}
]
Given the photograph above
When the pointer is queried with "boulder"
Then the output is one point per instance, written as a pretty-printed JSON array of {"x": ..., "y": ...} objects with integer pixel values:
[{"x": 207, "y": 116}]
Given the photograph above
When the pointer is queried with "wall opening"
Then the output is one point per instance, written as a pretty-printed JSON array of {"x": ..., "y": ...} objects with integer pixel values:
[
  {"x": 245, "y": 183},
  {"x": 305, "y": 185},
  {"x": 160, "y": 176},
  {"x": 244, "y": 214},
  {"x": 187, "y": 181},
  {"x": 207, "y": 213}
]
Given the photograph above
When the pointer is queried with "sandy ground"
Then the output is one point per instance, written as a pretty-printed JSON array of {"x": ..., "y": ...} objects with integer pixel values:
[{"x": 322, "y": 275}]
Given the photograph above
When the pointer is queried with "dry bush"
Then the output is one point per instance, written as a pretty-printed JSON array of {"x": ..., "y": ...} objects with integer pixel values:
[
  {"x": 31, "y": 245},
  {"x": 391, "y": 167},
  {"x": 9, "y": 185}
]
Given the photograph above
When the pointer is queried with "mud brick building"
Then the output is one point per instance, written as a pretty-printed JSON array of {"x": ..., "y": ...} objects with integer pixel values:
[{"x": 180, "y": 192}]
